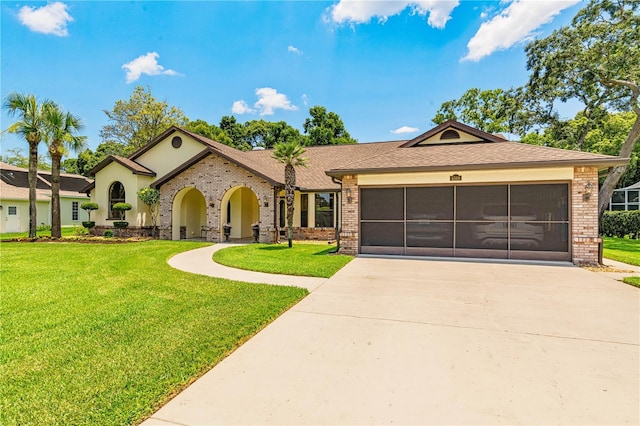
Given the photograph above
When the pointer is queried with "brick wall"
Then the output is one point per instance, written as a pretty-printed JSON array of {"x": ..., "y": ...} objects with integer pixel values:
[
  {"x": 350, "y": 216},
  {"x": 584, "y": 217},
  {"x": 213, "y": 177},
  {"x": 319, "y": 234}
]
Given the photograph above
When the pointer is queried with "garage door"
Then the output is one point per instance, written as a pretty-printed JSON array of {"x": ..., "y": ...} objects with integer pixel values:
[{"x": 516, "y": 221}]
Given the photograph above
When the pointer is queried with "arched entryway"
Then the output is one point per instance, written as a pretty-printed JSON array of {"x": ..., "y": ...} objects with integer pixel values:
[
  {"x": 239, "y": 208},
  {"x": 189, "y": 214}
]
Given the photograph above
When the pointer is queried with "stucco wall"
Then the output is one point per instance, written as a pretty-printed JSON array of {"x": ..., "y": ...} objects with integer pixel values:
[
  {"x": 138, "y": 215},
  {"x": 163, "y": 157}
]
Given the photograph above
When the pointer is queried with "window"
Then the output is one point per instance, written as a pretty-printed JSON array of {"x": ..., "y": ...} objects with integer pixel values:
[
  {"x": 13, "y": 210},
  {"x": 304, "y": 210},
  {"x": 116, "y": 195},
  {"x": 74, "y": 210},
  {"x": 324, "y": 210}
]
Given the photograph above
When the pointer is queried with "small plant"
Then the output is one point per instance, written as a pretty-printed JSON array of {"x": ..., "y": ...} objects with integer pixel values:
[
  {"x": 151, "y": 197},
  {"x": 108, "y": 233},
  {"x": 80, "y": 231},
  {"x": 43, "y": 227}
]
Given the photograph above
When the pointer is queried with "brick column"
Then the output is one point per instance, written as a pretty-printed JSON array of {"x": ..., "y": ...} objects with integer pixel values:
[
  {"x": 584, "y": 217},
  {"x": 350, "y": 216}
]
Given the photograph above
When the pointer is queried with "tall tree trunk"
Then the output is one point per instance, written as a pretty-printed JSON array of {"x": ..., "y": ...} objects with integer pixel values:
[
  {"x": 606, "y": 191},
  {"x": 56, "y": 226},
  {"x": 290, "y": 186},
  {"x": 33, "y": 180}
]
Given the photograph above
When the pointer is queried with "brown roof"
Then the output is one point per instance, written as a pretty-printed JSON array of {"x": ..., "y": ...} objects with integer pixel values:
[
  {"x": 14, "y": 183},
  {"x": 466, "y": 156},
  {"x": 262, "y": 163},
  {"x": 325, "y": 162},
  {"x": 137, "y": 169}
]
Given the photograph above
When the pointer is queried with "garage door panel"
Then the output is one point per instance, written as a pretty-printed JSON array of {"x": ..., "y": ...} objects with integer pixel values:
[
  {"x": 540, "y": 236},
  {"x": 541, "y": 201},
  {"x": 430, "y": 234},
  {"x": 434, "y": 203},
  {"x": 482, "y": 235},
  {"x": 382, "y": 204},
  {"x": 387, "y": 234},
  {"x": 482, "y": 202}
]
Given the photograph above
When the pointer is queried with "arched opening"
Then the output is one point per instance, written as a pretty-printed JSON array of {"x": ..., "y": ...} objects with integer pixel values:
[
  {"x": 239, "y": 208},
  {"x": 116, "y": 195},
  {"x": 189, "y": 214}
]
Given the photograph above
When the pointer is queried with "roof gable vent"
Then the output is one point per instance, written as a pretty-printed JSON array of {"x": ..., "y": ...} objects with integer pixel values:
[{"x": 449, "y": 134}]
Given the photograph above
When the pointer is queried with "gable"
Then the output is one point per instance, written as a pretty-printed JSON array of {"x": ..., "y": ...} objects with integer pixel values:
[
  {"x": 451, "y": 132},
  {"x": 168, "y": 152}
]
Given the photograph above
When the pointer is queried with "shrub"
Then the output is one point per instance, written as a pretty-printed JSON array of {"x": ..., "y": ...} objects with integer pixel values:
[
  {"x": 121, "y": 207},
  {"x": 43, "y": 227},
  {"x": 88, "y": 207},
  {"x": 620, "y": 224},
  {"x": 108, "y": 233},
  {"x": 80, "y": 231}
]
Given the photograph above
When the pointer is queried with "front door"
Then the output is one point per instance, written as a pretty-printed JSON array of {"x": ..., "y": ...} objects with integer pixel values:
[{"x": 13, "y": 219}]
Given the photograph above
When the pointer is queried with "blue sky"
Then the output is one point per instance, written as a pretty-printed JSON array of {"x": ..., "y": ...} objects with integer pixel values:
[{"x": 384, "y": 66}]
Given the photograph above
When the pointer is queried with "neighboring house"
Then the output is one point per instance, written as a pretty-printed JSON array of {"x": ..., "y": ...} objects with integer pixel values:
[
  {"x": 626, "y": 198},
  {"x": 14, "y": 198},
  {"x": 453, "y": 191}
]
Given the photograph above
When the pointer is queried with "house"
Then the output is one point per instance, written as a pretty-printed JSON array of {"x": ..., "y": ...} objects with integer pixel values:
[
  {"x": 453, "y": 191},
  {"x": 626, "y": 198},
  {"x": 14, "y": 198}
]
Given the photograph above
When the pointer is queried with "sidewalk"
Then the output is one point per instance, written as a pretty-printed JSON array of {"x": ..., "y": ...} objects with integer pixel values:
[
  {"x": 200, "y": 262},
  {"x": 622, "y": 270}
]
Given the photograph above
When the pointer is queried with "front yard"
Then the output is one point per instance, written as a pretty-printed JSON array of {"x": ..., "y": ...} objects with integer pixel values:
[{"x": 105, "y": 334}]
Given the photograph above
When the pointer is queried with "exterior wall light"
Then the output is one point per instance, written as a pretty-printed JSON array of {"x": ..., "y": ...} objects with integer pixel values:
[
  {"x": 265, "y": 201},
  {"x": 588, "y": 191},
  {"x": 348, "y": 194},
  {"x": 212, "y": 201}
]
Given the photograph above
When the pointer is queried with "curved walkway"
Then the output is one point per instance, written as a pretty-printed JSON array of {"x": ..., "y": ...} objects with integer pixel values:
[{"x": 199, "y": 261}]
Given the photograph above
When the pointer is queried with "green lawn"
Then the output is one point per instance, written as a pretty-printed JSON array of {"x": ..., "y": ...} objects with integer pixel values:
[
  {"x": 634, "y": 281},
  {"x": 67, "y": 231},
  {"x": 622, "y": 250},
  {"x": 312, "y": 260},
  {"x": 105, "y": 334}
]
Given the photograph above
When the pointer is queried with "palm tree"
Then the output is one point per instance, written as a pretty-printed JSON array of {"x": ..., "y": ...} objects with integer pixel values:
[
  {"x": 61, "y": 128},
  {"x": 30, "y": 127},
  {"x": 290, "y": 153}
]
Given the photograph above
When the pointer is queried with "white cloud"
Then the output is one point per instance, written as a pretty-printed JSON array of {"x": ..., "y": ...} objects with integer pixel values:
[
  {"x": 305, "y": 99},
  {"x": 361, "y": 11},
  {"x": 50, "y": 19},
  {"x": 294, "y": 49},
  {"x": 241, "y": 107},
  {"x": 404, "y": 129},
  {"x": 269, "y": 100},
  {"x": 513, "y": 25},
  {"x": 146, "y": 64}
]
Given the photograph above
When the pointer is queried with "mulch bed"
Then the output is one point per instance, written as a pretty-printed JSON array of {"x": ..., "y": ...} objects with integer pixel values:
[{"x": 84, "y": 240}]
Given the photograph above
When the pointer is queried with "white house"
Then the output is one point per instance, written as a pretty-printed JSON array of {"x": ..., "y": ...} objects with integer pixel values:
[{"x": 14, "y": 198}]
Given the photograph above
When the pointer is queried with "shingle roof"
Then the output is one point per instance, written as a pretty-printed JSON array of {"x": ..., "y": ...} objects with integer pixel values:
[
  {"x": 468, "y": 156},
  {"x": 14, "y": 183},
  {"x": 325, "y": 162},
  {"x": 135, "y": 168}
]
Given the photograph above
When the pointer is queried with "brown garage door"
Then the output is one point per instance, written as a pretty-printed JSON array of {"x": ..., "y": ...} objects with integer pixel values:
[{"x": 515, "y": 221}]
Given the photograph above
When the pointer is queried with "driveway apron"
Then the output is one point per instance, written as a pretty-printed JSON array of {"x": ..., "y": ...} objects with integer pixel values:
[{"x": 401, "y": 341}]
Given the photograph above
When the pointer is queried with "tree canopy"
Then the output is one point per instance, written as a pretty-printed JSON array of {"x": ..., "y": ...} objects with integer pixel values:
[
  {"x": 137, "y": 121},
  {"x": 325, "y": 128}
]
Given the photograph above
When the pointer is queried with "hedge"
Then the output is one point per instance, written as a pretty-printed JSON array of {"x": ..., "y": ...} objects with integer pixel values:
[{"x": 621, "y": 223}]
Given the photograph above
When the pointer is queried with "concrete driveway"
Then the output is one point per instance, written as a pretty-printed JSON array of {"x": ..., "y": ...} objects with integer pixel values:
[{"x": 390, "y": 341}]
